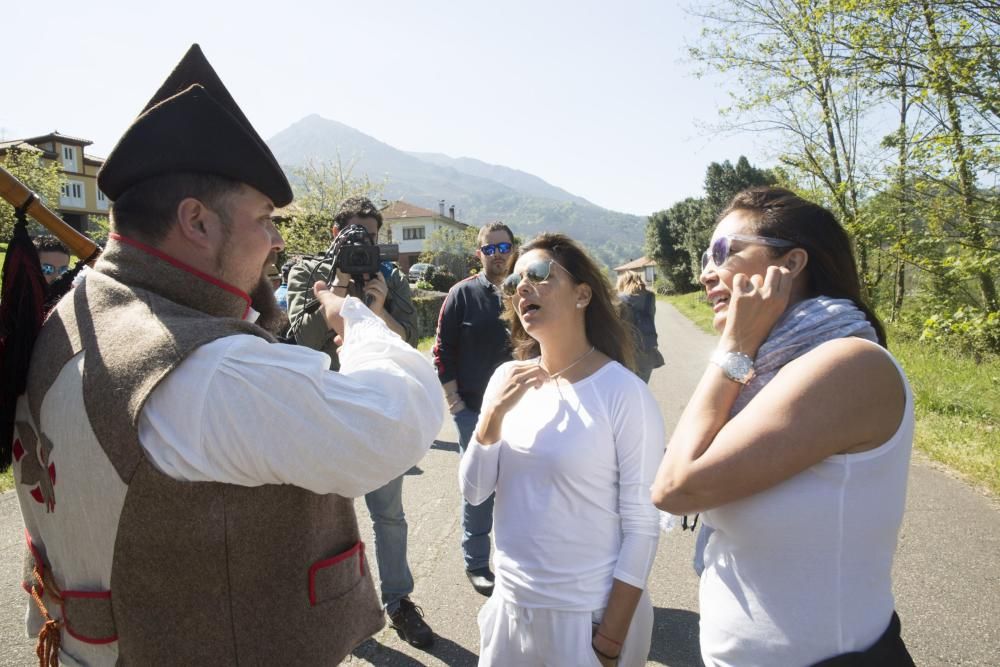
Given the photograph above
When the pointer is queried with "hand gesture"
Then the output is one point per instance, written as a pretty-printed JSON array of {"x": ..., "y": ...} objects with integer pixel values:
[
  {"x": 377, "y": 289},
  {"x": 330, "y": 305},
  {"x": 520, "y": 378},
  {"x": 755, "y": 305}
]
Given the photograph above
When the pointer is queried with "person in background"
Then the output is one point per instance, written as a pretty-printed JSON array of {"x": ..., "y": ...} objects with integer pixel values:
[
  {"x": 568, "y": 439},
  {"x": 273, "y": 276},
  {"x": 472, "y": 342},
  {"x": 640, "y": 311},
  {"x": 53, "y": 257},
  {"x": 391, "y": 300},
  {"x": 795, "y": 446}
]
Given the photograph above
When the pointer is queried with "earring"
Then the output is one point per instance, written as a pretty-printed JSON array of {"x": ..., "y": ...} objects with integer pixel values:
[{"x": 579, "y": 305}]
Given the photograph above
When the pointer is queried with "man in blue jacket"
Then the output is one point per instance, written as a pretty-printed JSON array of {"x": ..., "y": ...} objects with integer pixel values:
[{"x": 472, "y": 342}]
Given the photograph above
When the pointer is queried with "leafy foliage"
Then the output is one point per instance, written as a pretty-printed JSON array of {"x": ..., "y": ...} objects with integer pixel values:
[
  {"x": 319, "y": 188},
  {"x": 45, "y": 180},
  {"x": 889, "y": 114},
  {"x": 676, "y": 237},
  {"x": 452, "y": 251}
]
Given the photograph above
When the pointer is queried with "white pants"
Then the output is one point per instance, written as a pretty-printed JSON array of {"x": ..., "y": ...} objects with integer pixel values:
[{"x": 512, "y": 636}]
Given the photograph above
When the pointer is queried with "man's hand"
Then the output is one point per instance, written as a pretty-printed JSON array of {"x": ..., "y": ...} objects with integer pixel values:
[
  {"x": 330, "y": 305},
  {"x": 377, "y": 289}
]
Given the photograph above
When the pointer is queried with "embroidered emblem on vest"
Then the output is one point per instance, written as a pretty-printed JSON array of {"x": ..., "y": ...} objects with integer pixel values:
[{"x": 36, "y": 470}]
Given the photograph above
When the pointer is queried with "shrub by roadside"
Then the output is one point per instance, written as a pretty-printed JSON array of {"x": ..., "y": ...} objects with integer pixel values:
[{"x": 957, "y": 398}]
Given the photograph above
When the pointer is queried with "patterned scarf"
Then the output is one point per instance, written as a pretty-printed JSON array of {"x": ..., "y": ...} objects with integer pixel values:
[{"x": 803, "y": 327}]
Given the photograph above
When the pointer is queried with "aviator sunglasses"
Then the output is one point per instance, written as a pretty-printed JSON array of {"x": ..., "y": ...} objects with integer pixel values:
[
  {"x": 536, "y": 272},
  {"x": 722, "y": 247},
  {"x": 48, "y": 269},
  {"x": 492, "y": 248}
]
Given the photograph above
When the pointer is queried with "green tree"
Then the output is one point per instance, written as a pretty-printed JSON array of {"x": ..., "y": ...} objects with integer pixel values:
[
  {"x": 452, "y": 249},
  {"x": 677, "y": 236},
  {"x": 44, "y": 179},
  {"x": 319, "y": 188}
]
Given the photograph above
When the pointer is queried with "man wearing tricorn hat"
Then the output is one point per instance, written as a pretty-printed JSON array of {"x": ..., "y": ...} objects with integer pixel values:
[{"x": 172, "y": 515}]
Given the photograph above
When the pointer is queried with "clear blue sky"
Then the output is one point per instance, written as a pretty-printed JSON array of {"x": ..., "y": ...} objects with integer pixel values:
[{"x": 594, "y": 96}]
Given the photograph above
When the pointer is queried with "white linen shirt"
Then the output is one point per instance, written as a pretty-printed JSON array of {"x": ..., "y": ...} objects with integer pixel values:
[
  {"x": 572, "y": 474},
  {"x": 244, "y": 411}
]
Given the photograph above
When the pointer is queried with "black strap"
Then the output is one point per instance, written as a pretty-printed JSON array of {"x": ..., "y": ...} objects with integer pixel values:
[{"x": 888, "y": 651}]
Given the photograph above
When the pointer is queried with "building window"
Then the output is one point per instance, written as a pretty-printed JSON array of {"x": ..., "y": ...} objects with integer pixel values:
[
  {"x": 102, "y": 200},
  {"x": 69, "y": 158},
  {"x": 413, "y": 233},
  {"x": 72, "y": 194}
]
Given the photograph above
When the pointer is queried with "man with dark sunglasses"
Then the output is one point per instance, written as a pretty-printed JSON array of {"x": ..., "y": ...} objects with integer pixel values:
[
  {"x": 53, "y": 256},
  {"x": 472, "y": 342}
]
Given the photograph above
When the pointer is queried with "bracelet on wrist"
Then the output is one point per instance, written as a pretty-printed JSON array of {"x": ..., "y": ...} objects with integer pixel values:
[
  {"x": 609, "y": 639},
  {"x": 603, "y": 654}
]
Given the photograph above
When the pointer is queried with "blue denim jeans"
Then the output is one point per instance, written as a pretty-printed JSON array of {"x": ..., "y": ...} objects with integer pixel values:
[
  {"x": 386, "y": 508},
  {"x": 477, "y": 520}
]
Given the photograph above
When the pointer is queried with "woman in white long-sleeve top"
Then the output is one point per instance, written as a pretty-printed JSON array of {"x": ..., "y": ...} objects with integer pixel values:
[
  {"x": 569, "y": 439},
  {"x": 797, "y": 443}
]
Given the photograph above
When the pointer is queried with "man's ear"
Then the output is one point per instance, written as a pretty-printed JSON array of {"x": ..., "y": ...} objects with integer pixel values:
[
  {"x": 191, "y": 214},
  {"x": 334, "y": 231},
  {"x": 795, "y": 261}
]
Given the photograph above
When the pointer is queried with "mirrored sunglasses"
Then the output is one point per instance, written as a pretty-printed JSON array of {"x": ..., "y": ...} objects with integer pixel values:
[
  {"x": 48, "y": 269},
  {"x": 722, "y": 247},
  {"x": 492, "y": 248},
  {"x": 534, "y": 273}
]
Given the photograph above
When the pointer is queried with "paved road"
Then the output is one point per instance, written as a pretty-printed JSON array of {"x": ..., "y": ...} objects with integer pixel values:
[{"x": 947, "y": 581}]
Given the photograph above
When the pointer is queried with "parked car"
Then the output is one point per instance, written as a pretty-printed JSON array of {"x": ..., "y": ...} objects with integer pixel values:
[{"x": 420, "y": 271}]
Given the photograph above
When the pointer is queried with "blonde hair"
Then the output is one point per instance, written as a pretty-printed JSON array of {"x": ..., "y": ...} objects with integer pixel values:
[{"x": 630, "y": 283}]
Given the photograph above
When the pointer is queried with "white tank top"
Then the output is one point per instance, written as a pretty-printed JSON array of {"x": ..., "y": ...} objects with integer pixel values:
[{"x": 802, "y": 571}]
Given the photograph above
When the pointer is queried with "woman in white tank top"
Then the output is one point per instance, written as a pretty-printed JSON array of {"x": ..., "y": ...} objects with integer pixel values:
[{"x": 795, "y": 445}]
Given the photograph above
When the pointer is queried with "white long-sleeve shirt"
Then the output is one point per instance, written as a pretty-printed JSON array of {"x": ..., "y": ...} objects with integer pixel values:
[
  {"x": 572, "y": 474},
  {"x": 243, "y": 411}
]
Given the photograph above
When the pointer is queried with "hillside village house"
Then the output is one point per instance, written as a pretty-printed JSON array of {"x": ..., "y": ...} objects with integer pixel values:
[
  {"x": 644, "y": 267},
  {"x": 410, "y": 225},
  {"x": 80, "y": 197}
]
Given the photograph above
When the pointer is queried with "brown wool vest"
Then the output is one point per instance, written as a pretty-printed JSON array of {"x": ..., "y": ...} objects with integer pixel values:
[{"x": 201, "y": 573}]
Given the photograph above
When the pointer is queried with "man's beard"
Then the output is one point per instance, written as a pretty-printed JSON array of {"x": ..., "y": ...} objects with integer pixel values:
[
  {"x": 272, "y": 318},
  {"x": 497, "y": 273}
]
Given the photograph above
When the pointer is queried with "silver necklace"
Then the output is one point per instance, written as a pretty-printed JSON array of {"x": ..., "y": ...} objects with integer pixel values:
[{"x": 556, "y": 375}]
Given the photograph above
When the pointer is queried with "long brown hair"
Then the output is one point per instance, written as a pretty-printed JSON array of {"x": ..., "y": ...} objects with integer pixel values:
[
  {"x": 603, "y": 325},
  {"x": 831, "y": 269}
]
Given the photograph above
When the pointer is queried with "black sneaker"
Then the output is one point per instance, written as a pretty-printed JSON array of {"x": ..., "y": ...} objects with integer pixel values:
[
  {"x": 408, "y": 622},
  {"x": 482, "y": 580}
]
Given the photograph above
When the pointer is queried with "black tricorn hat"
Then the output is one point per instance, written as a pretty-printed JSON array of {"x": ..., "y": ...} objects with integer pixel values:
[{"x": 193, "y": 124}]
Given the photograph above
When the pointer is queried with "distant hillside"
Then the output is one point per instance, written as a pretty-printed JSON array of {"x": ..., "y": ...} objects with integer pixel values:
[
  {"x": 521, "y": 181},
  {"x": 479, "y": 191}
]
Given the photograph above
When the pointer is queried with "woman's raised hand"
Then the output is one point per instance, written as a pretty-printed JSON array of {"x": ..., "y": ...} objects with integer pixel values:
[
  {"x": 521, "y": 377},
  {"x": 755, "y": 305}
]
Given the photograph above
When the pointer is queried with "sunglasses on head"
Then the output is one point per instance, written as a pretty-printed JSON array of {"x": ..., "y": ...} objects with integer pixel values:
[
  {"x": 48, "y": 269},
  {"x": 722, "y": 247},
  {"x": 534, "y": 273},
  {"x": 492, "y": 248}
]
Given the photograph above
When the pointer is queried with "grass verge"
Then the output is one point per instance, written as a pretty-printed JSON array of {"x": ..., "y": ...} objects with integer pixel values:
[
  {"x": 957, "y": 399},
  {"x": 6, "y": 480}
]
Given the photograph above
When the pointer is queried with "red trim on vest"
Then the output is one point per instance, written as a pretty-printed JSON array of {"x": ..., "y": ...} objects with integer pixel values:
[
  {"x": 319, "y": 565},
  {"x": 184, "y": 267},
  {"x": 39, "y": 563},
  {"x": 68, "y": 624}
]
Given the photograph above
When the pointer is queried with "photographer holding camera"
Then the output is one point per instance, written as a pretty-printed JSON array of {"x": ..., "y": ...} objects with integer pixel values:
[{"x": 386, "y": 291}]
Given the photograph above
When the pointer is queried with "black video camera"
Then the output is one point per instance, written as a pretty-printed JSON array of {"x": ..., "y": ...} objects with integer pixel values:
[{"x": 357, "y": 255}]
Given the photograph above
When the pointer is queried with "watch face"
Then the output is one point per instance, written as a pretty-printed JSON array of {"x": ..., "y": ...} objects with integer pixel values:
[{"x": 739, "y": 366}]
